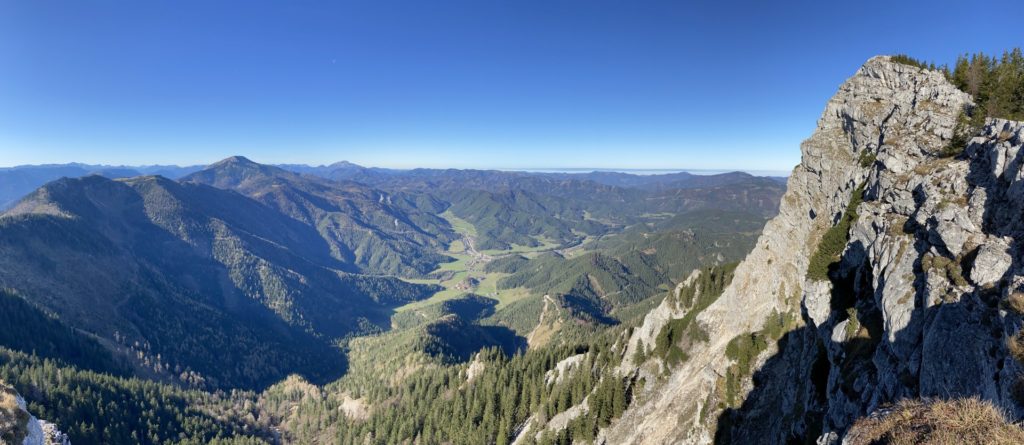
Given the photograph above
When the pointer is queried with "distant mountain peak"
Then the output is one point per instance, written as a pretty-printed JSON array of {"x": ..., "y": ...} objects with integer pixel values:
[
  {"x": 344, "y": 164},
  {"x": 234, "y": 160},
  {"x": 235, "y": 170}
]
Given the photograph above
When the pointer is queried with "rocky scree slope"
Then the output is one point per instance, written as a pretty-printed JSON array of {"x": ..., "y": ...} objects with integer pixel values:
[{"x": 915, "y": 287}]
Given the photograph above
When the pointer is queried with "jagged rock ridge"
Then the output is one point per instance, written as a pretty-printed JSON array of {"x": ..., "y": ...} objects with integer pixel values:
[{"x": 920, "y": 303}]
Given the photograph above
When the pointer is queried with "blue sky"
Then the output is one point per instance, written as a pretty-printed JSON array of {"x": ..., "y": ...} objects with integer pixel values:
[{"x": 482, "y": 83}]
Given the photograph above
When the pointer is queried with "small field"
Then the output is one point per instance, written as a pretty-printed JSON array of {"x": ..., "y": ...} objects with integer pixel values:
[
  {"x": 460, "y": 225},
  {"x": 468, "y": 265},
  {"x": 545, "y": 244}
]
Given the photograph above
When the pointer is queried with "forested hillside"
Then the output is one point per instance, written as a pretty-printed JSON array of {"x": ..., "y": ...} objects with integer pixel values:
[
  {"x": 181, "y": 276},
  {"x": 241, "y": 300},
  {"x": 496, "y": 398},
  {"x": 16, "y": 182},
  {"x": 373, "y": 231},
  {"x": 518, "y": 208}
]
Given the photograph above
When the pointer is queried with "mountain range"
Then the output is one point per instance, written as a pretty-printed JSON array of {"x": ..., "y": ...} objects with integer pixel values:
[{"x": 238, "y": 274}]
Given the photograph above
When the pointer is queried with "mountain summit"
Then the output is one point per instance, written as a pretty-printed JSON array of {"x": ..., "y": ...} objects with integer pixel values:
[{"x": 237, "y": 172}]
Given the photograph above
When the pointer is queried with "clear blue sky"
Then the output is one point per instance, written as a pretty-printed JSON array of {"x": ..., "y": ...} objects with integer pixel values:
[{"x": 434, "y": 83}]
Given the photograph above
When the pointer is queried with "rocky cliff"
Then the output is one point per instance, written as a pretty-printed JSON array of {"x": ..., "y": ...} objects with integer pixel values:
[
  {"x": 896, "y": 257},
  {"x": 19, "y": 427}
]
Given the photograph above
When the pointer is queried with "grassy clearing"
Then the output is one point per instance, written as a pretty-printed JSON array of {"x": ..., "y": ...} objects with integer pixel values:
[
  {"x": 486, "y": 287},
  {"x": 545, "y": 244},
  {"x": 457, "y": 246},
  {"x": 461, "y": 263},
  {"x": 508, "y": 296},
  {"x": 449, "y": 293},
  {"x": 467, "y": 266},
  {"x": 661, "y": 215},
  {"x": 460, "y": 269},
  {"x": 464, "y": 267},
  {"x": 421, "y": 280},
  {"x": 460, "y": 225},
  {"x": 488, "y": 282},
  {"x": 581, "y": 247}
]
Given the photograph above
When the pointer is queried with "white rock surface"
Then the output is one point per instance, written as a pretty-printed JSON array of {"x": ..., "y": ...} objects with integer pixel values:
[
  {"x": 40, "y": 432},
  {"x": 563, "y": 368},
  {"x": 911, "y": 310},
  {"x": 992, "y": 262}
]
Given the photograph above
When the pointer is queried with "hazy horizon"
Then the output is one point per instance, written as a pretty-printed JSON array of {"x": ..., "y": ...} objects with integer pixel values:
[{"x": 569, "y": 170}]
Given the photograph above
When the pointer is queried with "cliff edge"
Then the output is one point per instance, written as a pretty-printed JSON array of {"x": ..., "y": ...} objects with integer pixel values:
[{"x": 891, "y": 272}]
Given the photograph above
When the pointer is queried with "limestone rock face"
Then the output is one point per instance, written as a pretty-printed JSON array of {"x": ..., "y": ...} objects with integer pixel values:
[
  {"x": 992, "y": 263},
  {"x": 914, "y": 306},
  {"x": 16, "y": 423}
]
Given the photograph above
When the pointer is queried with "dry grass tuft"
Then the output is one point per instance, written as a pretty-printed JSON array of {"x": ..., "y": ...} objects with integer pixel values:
[
  {"x": 1015, "y": 303},
  {"x": 937, "y": 422},
  {"x": 1015, "y": 345}
]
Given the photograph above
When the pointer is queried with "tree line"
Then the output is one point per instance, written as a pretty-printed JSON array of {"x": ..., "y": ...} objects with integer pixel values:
[{"x": 996, "y": 83}]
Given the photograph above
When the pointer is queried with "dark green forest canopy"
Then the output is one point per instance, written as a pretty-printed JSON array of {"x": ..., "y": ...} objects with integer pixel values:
[{"x": 96, "y": 408}]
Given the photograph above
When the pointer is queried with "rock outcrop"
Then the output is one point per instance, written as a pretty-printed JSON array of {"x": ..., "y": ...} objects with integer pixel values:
[
  {"x": 921, "y": 301},
  {"x": 19, "y": 427}
]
